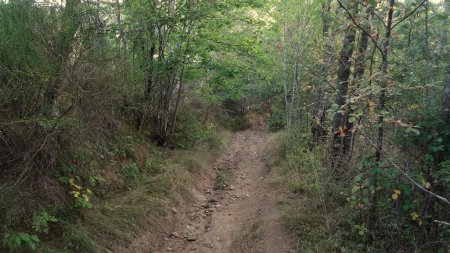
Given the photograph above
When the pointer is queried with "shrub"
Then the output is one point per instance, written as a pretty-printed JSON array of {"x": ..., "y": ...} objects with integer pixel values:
[
  {"x": 20, "y": 241},
  {"x": 130, "y": 171}
]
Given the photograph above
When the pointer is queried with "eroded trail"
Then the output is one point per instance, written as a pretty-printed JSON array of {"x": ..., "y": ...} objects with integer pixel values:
[{"x": 243, "y": 216}]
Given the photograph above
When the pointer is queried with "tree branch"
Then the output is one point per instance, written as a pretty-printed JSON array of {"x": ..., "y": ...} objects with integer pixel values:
[
  {"x": 408, "y": 15},
  {"x": 361, "y": 28},
  {"x": 408, "y": 177}
]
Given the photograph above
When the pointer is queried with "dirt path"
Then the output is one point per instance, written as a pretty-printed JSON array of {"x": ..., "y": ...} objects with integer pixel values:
[{"x": 243, "y": 216}]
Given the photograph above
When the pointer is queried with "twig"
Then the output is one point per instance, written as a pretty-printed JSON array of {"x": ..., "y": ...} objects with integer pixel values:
[
  {"x": 408, "y": 177},
  {"x": 361, "y": 28},
  {"x": 408, "y": 15}
]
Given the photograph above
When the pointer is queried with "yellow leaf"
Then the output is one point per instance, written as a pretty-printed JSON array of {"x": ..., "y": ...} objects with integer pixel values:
[
  {"x": 76, "y": 194},
  {"x": 414, "y": 216},
  {"x": 395, "y": 196},
  {"x": 395, "y": 36}
]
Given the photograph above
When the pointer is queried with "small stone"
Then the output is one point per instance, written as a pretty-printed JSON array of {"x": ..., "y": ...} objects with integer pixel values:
[
  {"x": 212, "y": 200},
  {"x": 169, "y": 249},
  {"x": 232, "y": 187},
  {"x": 208, "y": 245},
  {"x": 174, "y": 210},
  {"x": 175, "y": 234},
  {"x": 191, "y": 237}
]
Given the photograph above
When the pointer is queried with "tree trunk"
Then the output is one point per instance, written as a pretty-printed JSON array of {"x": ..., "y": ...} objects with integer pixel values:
[
  {"x": 120, "y": 29},
  {"x": 446, "y": 55},
  {"x": 426, "y": 45},
  {"x": 150, "y": 79},
  {"x": 357, "y": 77},
  {"x": 64, "y": 46},
  {"x": 285, "y": 88},
  {"x": 340, "y": 119},
  {"x": 372, "y": 217},
  {"x": 444, "y": 33},
  {"x": 318, "y": 113},
  {"x": 446, "y": 98}
]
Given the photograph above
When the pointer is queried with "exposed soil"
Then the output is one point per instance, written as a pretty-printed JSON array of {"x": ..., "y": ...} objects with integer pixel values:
[{"x": 235, "y": 208}]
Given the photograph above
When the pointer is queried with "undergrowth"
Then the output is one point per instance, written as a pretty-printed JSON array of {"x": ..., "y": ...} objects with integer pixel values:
[
  {"x": 103, "y": 188},
  {"x": 314, "y": 210},
  {"x": 115, "y": 220},
  {"x": 330, "y": 215}
]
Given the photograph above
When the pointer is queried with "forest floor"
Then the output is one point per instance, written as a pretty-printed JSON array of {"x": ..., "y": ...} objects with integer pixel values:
[{"x": 234, "y": 208}]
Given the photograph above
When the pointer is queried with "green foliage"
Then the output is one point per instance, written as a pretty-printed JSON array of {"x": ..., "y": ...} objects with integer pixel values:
[
  {"x": 77, "y": 240},
  {"x": 190, "y": 131},
  {"x": 153, "y": 166},
  {"x": 20, "y": 241},
  {"x": 41, "y": 220},
  {"x": 80, "y": 194},
  {"x": 130, "y": 171},
  {"x": 220, "y": 181},
  {"x": 312, "y": 213},
  {"x": 81, "y": 98},
  {"x": 84, "y": 93},
  {"x": 433, "y": 144},
  {"x": 56, "y": 124},
  {"x": 277, "y": 119}
]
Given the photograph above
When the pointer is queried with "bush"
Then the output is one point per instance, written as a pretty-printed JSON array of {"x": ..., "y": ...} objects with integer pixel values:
[
  {"x": 77, "y": 241},
  {"x": 130, "y": 171},
  {"x": 277, "y": 119},
  {"x": 20, "y": 241},
  {"x": 190, "y": 130}
]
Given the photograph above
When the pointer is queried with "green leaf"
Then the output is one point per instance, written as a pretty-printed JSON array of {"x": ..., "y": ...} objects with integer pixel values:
[
  {"x": 334, "y": 107},
  {"x": 416, "y": 131},
  {"x": 373, "y": 3}
]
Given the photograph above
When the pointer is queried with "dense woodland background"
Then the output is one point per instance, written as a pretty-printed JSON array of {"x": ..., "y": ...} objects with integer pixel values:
[{"x": 108, "y": 107}]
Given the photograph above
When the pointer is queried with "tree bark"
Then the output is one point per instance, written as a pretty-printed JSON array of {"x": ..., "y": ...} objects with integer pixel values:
[
  {"x": 444, "y": 33},
  {"x": 426, "y": 46},
  {"x": 318, "y": 113},
  {"x": 64, "y": 40},
  {"x": 120, "y": 30},
  {"x": 446, "y": 55},
  {"x": 446, "y": 98},
  {"x": 285, "y": 88},
  {"x": 357, "y": 77},
  {"x": 340, "y": 119},
  {"x": 372, "y": 217}
]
